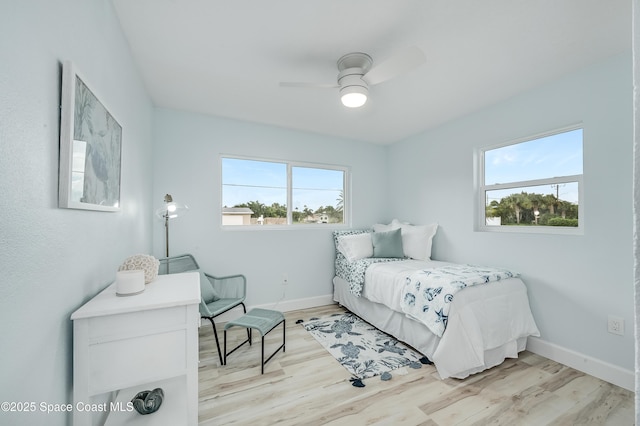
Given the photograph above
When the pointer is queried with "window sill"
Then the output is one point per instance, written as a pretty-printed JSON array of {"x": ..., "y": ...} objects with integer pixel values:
[{"x": 553, "y": 230}]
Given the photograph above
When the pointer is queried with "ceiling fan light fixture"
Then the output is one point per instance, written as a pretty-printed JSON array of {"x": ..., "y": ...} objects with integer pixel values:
[
  {"x": 356, "y": 73},
  {"x": 353, "y": 90},
  {"x": 353, "y": 96}
]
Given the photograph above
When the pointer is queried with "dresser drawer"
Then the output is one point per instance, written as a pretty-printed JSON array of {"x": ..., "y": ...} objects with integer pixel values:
[
  {"x": 121, "y": 363},
  {"x": 132, "y": 324}
]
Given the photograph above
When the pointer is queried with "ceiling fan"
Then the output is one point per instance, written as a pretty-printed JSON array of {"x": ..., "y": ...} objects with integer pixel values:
[{"x": 356, "y": 73}]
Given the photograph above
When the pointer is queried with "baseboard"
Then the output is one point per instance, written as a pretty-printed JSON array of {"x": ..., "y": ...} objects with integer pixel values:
[
  {"x": 296, "y": 304},
  {"x": 592, "y": 366},
  {"x": 283, "y": 306}
]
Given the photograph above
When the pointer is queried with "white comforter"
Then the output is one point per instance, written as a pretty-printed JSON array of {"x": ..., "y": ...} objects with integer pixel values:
[{"x": 493, "y": 316}]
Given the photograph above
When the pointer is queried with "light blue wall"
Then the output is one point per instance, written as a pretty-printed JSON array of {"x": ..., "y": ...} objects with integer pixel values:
[
  {"x": 54, "y": 259},
  {"x": 187, "y": 149},
  {"x": 574, "y": 282},
  {"x": 51, "y": 259}
]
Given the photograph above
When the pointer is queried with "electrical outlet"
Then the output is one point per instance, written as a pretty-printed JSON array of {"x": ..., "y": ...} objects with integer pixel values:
[
  {"x": 615, "y": 325},
  {"x": 285, "y": 278}
]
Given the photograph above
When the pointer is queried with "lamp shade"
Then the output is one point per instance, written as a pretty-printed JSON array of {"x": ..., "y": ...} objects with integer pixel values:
[
  {"x": 353, "y": 96},
  {"x": 353, "y": 90},
  {"x": 171, "y": 209}
]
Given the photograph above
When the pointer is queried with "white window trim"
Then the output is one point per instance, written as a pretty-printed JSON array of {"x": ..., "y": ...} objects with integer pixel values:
[
  {"x": 481, "y": 190},
  {"x": 346, "y": 212}
]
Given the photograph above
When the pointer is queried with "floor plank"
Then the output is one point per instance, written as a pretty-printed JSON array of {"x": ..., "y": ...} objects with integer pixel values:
[{"x": 305, "y": 385}]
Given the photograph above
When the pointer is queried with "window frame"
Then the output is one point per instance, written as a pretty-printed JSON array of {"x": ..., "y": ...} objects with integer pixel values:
[
  {"x": 482, "y": 188},
  {"x": 290, "y": 164}
]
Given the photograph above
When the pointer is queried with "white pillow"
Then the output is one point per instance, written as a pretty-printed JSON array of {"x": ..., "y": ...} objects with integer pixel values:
[
  {"x": 417, "y": 240},
  {"x": 355, "y": 247}
]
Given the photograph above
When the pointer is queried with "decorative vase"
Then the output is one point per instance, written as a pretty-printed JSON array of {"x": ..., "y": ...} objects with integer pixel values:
[{"x": 129, "y": 283}]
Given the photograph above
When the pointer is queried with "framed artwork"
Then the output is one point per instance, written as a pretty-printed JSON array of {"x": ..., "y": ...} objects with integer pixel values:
[{"x": 90, "y": 148}]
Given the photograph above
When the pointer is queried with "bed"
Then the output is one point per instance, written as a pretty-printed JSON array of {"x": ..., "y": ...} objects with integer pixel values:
[{"x": 485, "y": 323}]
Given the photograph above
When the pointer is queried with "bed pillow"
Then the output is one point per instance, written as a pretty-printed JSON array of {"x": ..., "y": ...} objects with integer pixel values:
[
  {"x": 387, "y": 244},
  {"x": 381, "y": 227},
  {"x": 417, "y": 240},
  {"x": 355, "y": 247}
]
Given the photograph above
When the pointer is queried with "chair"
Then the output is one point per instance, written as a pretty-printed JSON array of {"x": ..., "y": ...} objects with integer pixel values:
[{"x": 217, "y": 294}]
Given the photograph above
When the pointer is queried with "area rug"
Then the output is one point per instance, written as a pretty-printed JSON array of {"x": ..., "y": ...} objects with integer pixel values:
[{"x": 361, "y": 348}]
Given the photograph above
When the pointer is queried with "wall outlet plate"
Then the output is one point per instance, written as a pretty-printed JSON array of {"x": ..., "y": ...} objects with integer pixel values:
[{"x": 615, "y": 325}]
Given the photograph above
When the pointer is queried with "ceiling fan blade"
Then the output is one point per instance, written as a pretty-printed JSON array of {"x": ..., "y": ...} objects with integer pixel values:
[
  {"x": 397, "y": 64},
  {"x": 308, "y": 85}
]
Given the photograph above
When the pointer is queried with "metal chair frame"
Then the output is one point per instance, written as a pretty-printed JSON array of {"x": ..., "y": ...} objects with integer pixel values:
[{"x": 187, "y": 263}]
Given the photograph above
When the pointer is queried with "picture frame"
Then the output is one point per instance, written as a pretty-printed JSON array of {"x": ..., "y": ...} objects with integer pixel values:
[{"x": 90, "y": 148}]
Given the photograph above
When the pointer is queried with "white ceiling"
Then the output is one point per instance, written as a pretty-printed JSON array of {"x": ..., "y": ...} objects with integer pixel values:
[{"x": 226, "y": 58}]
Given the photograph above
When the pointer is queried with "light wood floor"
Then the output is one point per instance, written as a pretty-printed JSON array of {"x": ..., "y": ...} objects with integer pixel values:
[{"x": 306, "y": 386}]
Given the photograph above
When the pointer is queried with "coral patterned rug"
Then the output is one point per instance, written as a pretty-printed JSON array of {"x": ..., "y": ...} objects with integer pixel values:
[{"x": 361, "y": 348}]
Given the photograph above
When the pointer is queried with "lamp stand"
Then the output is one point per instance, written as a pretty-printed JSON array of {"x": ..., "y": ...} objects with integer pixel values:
[
  {"x": 166, "y": 232},
  {"x": 169, "y": 211}
]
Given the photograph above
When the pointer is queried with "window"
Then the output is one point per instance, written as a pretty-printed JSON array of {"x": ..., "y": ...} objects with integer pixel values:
[
  {"x": 257, "y": 192},
  {"x": 533, "y": 185}
]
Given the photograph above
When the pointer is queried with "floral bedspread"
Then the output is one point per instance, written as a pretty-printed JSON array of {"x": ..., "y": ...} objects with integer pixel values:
[{"x": 427, "y": 293}]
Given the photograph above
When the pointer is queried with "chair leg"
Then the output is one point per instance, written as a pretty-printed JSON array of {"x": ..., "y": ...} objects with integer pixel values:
[
  {"x": 215, "y": 333},
  {"x": 244, "y": 308}
]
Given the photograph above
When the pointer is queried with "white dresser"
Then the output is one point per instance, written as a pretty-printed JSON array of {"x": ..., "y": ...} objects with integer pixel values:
[{"x": 129, "y": 344}]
